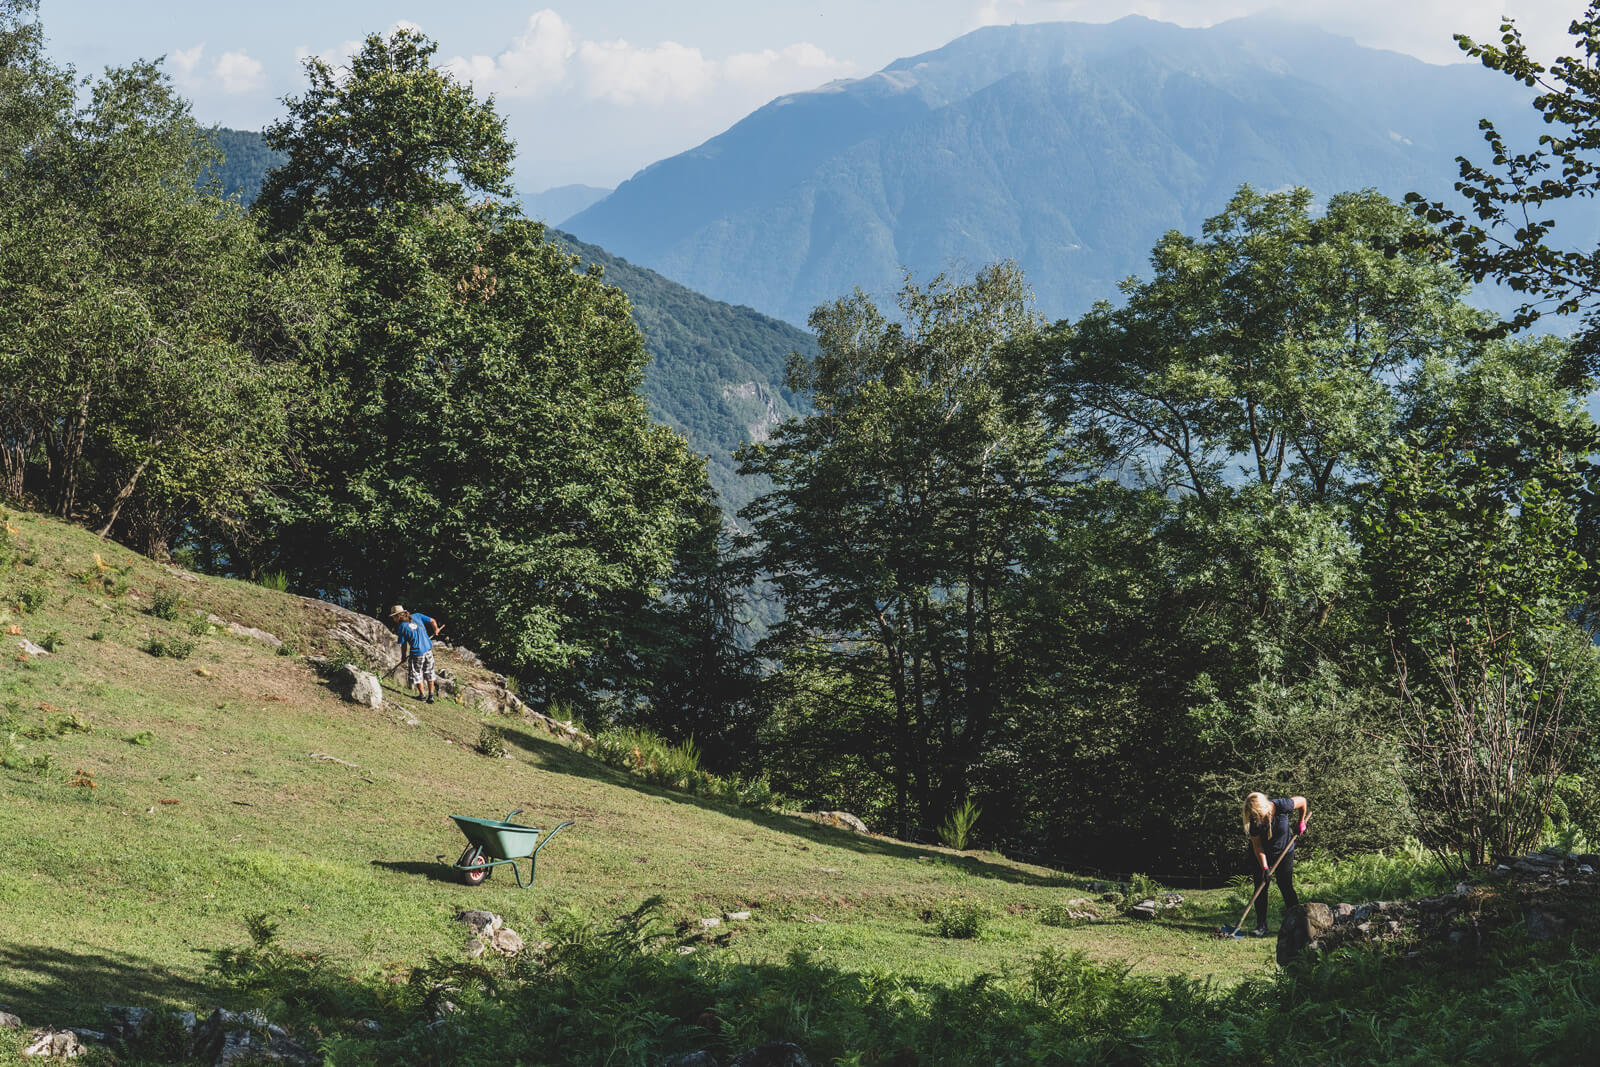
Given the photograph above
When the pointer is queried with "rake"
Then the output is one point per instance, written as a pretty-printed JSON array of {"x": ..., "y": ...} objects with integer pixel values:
[{"x": 1224, "y": 932}]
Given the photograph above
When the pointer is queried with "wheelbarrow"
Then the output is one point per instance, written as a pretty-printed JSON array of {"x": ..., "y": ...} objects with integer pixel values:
[{"x": 496, "y": 843}]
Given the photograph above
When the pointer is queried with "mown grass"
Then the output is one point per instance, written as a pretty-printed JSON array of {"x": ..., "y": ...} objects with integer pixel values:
[{"x": 200, "y": 800}]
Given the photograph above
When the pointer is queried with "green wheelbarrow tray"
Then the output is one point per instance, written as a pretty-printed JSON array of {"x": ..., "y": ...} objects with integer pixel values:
[{"x": 494, "y": 844}]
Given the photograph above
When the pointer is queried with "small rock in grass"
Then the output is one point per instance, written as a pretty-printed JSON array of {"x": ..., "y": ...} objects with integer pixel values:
[
  {"x": 737, "y": 916},
  {"x": 709, "y": 921},
  {"x": 772, "y": 1054},
  {"x": 686, "y": 950},
  {"x": 30, "y": 648},
  {"x": 480, "y": 922},
  {"x": 56, "y": 1044},
  {"x": 506, "y": 941},
  {"x": 9, "y": 1021},
  {"x": 1145, "y": 909},
  {"x": 701, "y": 1058}
]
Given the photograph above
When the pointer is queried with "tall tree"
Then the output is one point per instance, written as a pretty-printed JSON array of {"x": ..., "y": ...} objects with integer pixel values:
[
  {"x": 900, "y": 515},
  {"x": 484, "y": 448},
  {"x": 147, "y": 352},
  {"x": 1507, "y": 228}
]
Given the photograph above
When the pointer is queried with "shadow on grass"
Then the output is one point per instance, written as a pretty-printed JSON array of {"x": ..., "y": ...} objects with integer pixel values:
[
  {"x": 553, "y": 756},
  {"x": 438, "y": 871},
  {"x": 44, "y": 985}
]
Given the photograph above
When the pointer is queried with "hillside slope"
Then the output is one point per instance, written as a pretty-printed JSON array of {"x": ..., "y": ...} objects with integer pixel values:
[
  {"x": 149, "y": 805},
  {"x": 1068, "y": 147}
]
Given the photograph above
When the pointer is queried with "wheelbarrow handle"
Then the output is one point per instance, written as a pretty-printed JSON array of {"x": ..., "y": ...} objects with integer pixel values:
[{"x": 508, "y": 817}]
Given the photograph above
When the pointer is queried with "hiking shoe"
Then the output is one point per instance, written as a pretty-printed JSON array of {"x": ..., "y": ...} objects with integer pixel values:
[
  {"x": 430, "y": 698},
  {"x": 1260, "y": 931}
]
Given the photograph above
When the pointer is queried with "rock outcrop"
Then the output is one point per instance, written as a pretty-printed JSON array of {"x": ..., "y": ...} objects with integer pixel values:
[{"x": 1547, "y": 894}]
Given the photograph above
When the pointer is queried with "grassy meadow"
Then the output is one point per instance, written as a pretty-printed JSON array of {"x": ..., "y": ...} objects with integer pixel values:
[{"x": 149, "y": 804}]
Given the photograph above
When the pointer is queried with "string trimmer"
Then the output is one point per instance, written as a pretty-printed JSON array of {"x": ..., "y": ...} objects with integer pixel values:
[{"x": 1238, "y": 931}]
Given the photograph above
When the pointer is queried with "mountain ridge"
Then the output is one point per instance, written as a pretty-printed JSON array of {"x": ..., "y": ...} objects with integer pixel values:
[{"x": 1025, "y": 141}]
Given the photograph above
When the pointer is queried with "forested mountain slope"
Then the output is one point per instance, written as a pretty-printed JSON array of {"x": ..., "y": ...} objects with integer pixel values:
[
  {"x": 1068, "y": 147},
  {"x": 716, "y": 370}
]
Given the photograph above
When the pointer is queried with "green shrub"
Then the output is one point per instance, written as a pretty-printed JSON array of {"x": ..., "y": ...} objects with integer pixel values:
[
  {"x": 288, "y": 648},
  {"x": 170, "y": 647},
  {"x": 143, "y": 737},
  {"x": 99, "y": 634},
  {"x": 1059, "y": 915},
  {"x": 492, "y": 741},
  {"x": 277, "y": 581},
  {"x": 659, "y": 762},
  {"x": 199, "y": 627},
  {"x": 1143, "y": 887},
  {"x": 956, "y": 831},
  {"x": 71, "y": 724},
  {"x": 11, "y": 756},
  {"x": 31, "y": 598},
  {"x": 166, "y": 604},
  {"x": 1407, "y": 871},
  {"x": 959, "y": 919},
  {"x": 51, "y": 642}
]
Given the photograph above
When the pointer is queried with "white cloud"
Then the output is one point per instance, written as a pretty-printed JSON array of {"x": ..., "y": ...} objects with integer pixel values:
[
  {"x": 549, "y": 57},
  {"x": 338, "y": 57},
  {"x": 1422, "y": 28},
  {"x": 619, "y": 72},
  {"x": 239, "y": 73},
  {"x": 184, "y": 61},
  {"x": 535, "y": 62}
]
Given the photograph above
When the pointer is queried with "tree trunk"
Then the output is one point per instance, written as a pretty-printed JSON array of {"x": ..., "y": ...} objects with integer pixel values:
[{"x": 125, "y": 492}]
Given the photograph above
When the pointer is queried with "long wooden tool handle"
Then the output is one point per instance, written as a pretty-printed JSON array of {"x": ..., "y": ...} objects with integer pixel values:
[{"x": 1264, "y": 882}]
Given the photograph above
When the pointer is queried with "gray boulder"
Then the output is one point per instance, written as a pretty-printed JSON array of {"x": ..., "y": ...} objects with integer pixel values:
[
  {"x": 230, "y": 1037},
  {"x": 1145, "y": 909},
  {"x": 361, "y": 687},
  {"x": 842, "y": 820},
  {"x": 1302, "y": 927},
  {"x": 9, "y": 1021},
  {"x": 56, "y": 1045}
]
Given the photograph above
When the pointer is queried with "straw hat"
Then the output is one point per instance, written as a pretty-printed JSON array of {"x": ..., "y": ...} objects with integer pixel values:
[{"x": 396, "y": 611}]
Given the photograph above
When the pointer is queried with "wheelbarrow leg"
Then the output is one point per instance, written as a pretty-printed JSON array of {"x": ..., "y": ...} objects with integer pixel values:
[{"x": 533, "y": 859}]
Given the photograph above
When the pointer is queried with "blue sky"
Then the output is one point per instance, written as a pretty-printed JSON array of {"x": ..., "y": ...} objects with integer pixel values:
[{"x": 594, "y": 91}]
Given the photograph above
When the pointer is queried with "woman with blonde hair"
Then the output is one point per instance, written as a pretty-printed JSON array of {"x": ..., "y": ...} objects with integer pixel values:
[{"x": 1267, "y": 824}]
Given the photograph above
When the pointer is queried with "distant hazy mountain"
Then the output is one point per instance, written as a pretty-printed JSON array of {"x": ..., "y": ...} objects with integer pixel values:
[
  {"x": 557, "y": 205},
  {"x": 1068, "y": 147}
]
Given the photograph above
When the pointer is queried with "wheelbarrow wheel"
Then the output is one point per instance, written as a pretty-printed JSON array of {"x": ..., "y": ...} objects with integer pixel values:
[{"x": 475, "y": 866}]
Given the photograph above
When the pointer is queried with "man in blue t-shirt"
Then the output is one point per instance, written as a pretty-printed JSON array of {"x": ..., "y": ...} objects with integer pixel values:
[{"x": 416, "y": 649}]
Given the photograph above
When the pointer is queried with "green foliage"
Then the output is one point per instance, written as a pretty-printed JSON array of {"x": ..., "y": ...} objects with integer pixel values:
[
  {"x": 677, "y": 766},
  {"x": 31, "y": 598},
  {"x": 482, "y": 443},
  {"x": 959, "y": 919},
  {"x": 147, "y": 340},
  {"x": 1059, "y": 915},
  {"x": 71, "y": 724},
  {"x": 1409, "y": 870},
  {"x": 1505, "y": 232},
  {"x": 167, "y": 604},
  {"x": 277, "y": 581},
  {"x": 51, "y": 641},
  {"x": 199, "y": 627},
  {"x": 956, "y": 829},
  {"x": 491, "y": 741},
  {"x": 143, "y": 737},
  {"x": 620, "y": 993},
  {"x": 934, "y": 472},
  {"x": 170, "y": 647}
]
